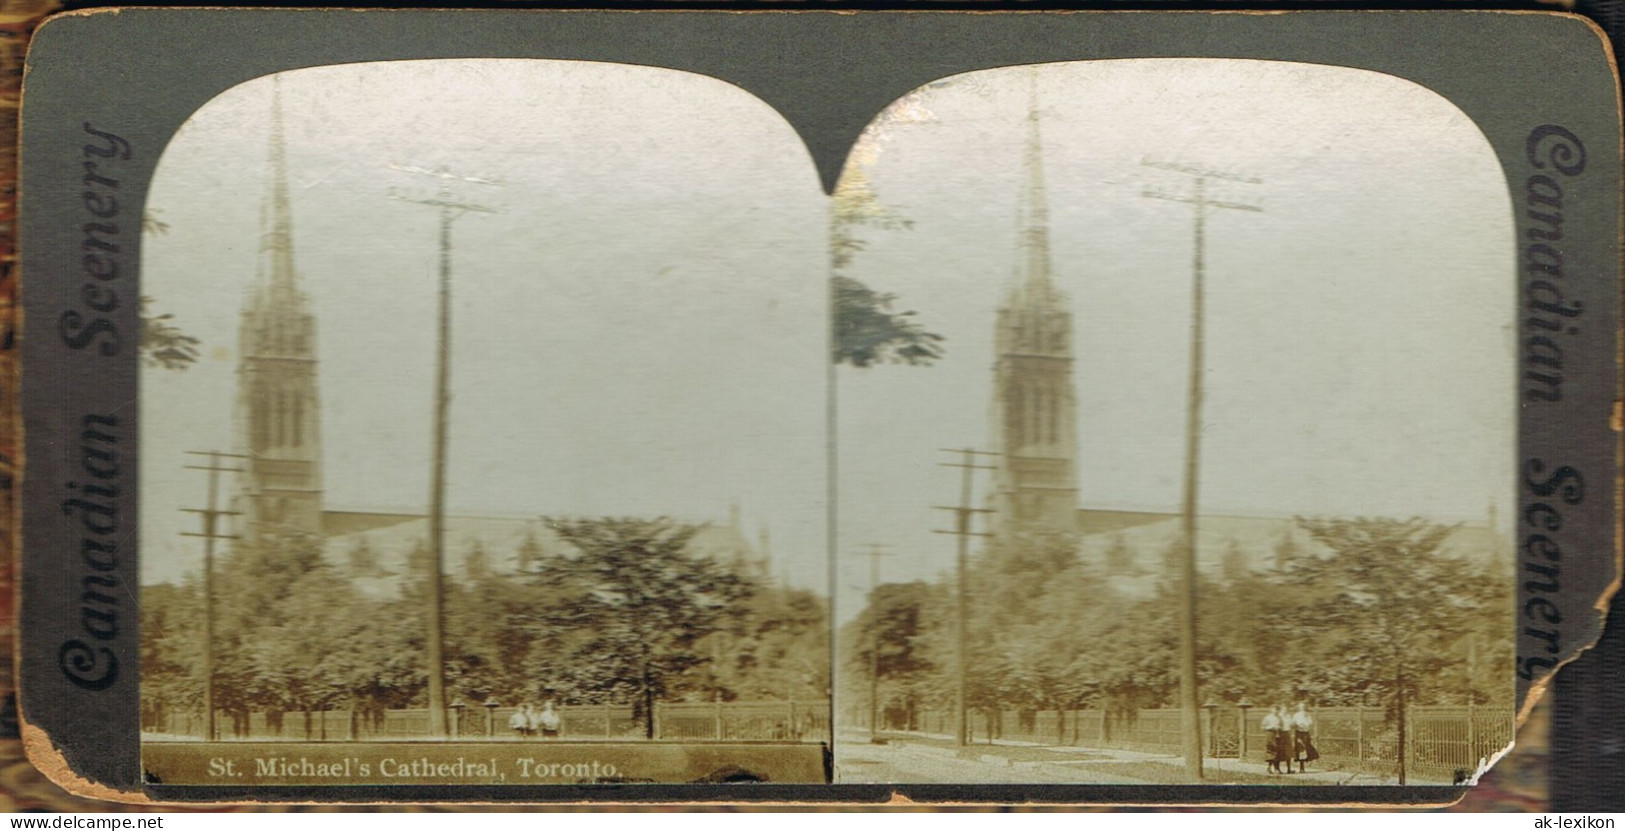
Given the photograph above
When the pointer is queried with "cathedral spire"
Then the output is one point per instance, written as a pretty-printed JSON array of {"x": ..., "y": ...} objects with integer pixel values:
[
  {"x": 278, "y": 420},
  {"x": 276, "y": 217},
  {"x": 1034, "y": 402},
  {"x": 1032, "y": 281}
]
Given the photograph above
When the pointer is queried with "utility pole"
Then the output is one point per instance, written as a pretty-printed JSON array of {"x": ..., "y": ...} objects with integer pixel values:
[
  {"x": 210, "y": 514},
  {"x": 1188, "y": 694},
  {"x": 874, "y": 553},
  {"x": 449, "y": 210},
  {"x": 963, "y": 514},
  {"x": 1472, "y": 697}
]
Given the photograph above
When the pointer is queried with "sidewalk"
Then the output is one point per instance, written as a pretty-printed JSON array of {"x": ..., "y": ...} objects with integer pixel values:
[{"x": 1079, "y": 761}]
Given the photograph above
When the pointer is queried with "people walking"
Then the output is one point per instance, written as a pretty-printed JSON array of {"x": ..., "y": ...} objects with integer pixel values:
[
  {"x": 1277, "y": 740},
  {"x": 1303, "y": 745},
  {"x": 523, "y": 721},
  {"x": 548, "y": 720},
  {"x": 1274, "y": 727}
]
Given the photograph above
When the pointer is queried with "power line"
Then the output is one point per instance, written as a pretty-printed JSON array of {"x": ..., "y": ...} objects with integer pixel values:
[
  {"x": 210, "y": 515},
  {"x": 1188, "y": 693},
  {"x": 963, "y": 516},
  {"x": 874, "y": 553},
  {"x": 450, "y": 210}
]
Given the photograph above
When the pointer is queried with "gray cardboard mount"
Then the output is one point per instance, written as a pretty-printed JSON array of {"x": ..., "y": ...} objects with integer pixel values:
[{"x": 1540, "y": 85}]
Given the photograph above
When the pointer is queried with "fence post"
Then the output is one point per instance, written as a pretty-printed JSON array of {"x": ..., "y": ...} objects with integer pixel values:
[
  {"x": 1241, "y": 741},
  {"x": 1212, "y": 740},
  {"x": 716, "y": 717},
  {"x": 609, "y": 730},
  {"x": 1472, "y": 736},
  {"x": 791, "y": 731},
  {"x": 1406, "y": 740},
  {"x": 1359, "y": 737}
]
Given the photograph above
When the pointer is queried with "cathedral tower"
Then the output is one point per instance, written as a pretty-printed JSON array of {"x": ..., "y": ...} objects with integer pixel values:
[
  {"x": 1034, "y": 405},
  {"x": 278, "y": 419}
]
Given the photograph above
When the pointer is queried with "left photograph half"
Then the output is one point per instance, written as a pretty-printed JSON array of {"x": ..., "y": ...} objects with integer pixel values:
[{"x": 483, "y": 435}]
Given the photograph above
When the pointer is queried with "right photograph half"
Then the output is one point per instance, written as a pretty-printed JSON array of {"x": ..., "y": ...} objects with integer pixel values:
[{"x": 1176, "y": 431}]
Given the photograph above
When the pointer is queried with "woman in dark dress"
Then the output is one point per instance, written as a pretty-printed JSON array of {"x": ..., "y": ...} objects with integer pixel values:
[
  {"x": 1303, "y": 745},
  {"x": 1277, "y": 740}
]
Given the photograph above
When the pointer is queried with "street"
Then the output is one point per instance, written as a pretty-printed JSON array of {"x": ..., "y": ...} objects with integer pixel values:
[
  {"x": 928, "y": 759},
  {"x": 857, "y": 761}
]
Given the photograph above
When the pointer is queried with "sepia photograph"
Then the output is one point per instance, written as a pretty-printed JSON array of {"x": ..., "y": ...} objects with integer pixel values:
[
  {"x": 1183, "y": 449},
  {"x": 527, "y": 406},
  {"x": 483, "y": 433}
]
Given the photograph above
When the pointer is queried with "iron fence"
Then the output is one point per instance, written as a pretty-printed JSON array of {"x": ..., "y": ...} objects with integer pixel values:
[
  {"x": 1440, "y": 743},
  {"x": 734, "y": 721}
]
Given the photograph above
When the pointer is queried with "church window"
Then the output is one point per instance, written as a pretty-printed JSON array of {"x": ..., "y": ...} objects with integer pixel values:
[
  {"x": 1054, "y": 418},
  {"x": 1053, "y": 415},
  {"x": 298, "y": 420},
  {"x": 279, "y": 419},
  {"x": 1015, "y": 419},
  {"x": 1034, "y": 402},
  {"x": 261, "y": 419},
  {"x": 1045, "y": 417}
]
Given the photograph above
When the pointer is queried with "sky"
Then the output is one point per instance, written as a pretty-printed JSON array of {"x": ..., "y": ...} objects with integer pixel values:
[
  {"x": 639, "y": 329},
  {"x": 1360, "y": 348}
]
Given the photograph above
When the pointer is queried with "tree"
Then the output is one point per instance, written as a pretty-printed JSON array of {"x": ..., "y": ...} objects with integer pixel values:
[
  {"x": 476, "y": 563},
  {"x": 1286, "y": 553},
  {"x": 891, "y": 635},
  {"x": 1234, "y": 562},
  {"x": 868, "y": 332},
  {"x": 163, "y": 344},
  {"x": 1392, "y": 595},
  {"x": 778, "y": 650},
  {"x": 363, "y": 561},
  {"x": 529, "y": 553},
  {"x": 312, "y": 658},
  {"x": 866, "y": 329},
  {"x": 1120, "y": 559},
  {"x": 283, "y": 625},
  {"x": 171, "y": 652},
  {"x": 492, "y": 620},
  {"x": 643, "y": 604},
  {"x": 151, "y": 224}
]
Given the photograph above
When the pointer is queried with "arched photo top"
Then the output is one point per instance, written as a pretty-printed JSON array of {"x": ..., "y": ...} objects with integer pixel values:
[
  {"x": 1257, "y": 108},
  {"x": 1352, "y": 222}
]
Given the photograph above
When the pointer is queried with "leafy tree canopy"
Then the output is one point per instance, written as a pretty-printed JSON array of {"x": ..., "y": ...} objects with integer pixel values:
[
  {"x": 163, "y": 344},
  {"x": 867, "y": 330}
]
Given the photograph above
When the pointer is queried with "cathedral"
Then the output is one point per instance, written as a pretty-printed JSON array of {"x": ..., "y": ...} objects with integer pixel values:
[
  {"x": 1034, "y": 404},
  {"x": 278, "y": 416}
]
